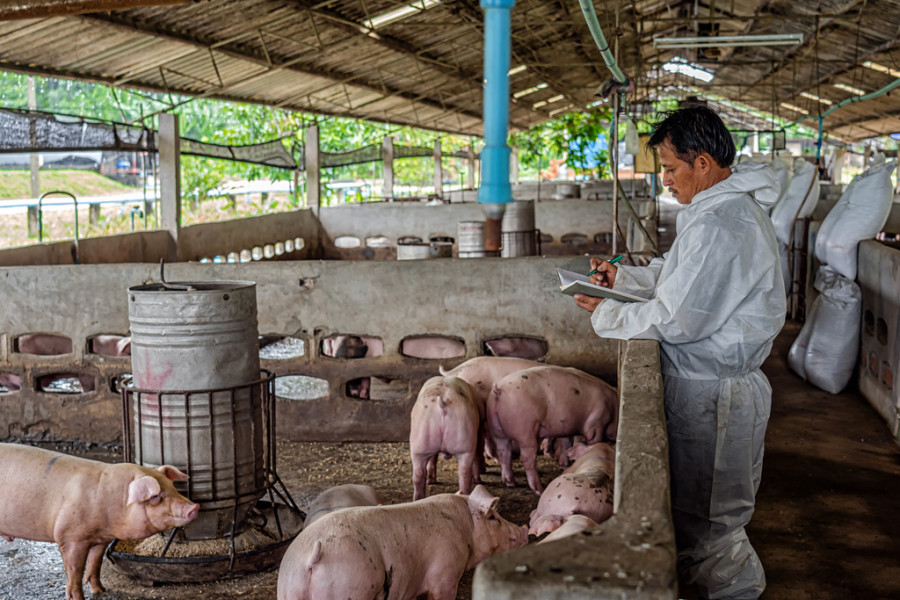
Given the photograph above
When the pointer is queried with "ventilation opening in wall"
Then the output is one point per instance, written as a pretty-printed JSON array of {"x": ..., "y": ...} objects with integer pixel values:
[
  {"x": 10, "y": 382},
  {"x": 378, "y": 389},
  {"x": 432, "y": 346},
  {"x": 301, "y": 387},
  {"x": 110, "y": 344},
  {"x": 573, "y": 238},
  {"x": 603, "y": 238},
  {"x": 43, "y": 344},
  {"x": 115, "y": 380},
  {"x": 378, "y": 241},
  {"x": 546, "y": 238},
  {"x": 352, "y": 346},
  {"x": 516, "y": 347},
  {"x": 347, "y": 241},
  {"x": 65, "y": 383},
  {"x": 409, "y": 239},
  {"x": 441, "y": 238},
  {"x": 280, "y": 347},
  {"x": 869, "y": 322},
  {"x": 881, "y": 331}
]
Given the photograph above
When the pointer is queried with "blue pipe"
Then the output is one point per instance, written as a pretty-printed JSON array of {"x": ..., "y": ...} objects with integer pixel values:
[{"x": 495, "y": 191}]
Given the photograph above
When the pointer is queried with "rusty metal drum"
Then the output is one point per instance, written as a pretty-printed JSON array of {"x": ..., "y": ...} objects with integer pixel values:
[{"x": 199, "y": 340}]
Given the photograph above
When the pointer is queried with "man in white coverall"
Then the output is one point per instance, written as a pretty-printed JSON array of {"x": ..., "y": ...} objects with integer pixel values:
[{"x": 716, "y": 303}]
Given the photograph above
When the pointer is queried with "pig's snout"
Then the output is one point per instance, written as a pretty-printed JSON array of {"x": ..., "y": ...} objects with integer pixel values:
[{"x": 190, "y": 512}]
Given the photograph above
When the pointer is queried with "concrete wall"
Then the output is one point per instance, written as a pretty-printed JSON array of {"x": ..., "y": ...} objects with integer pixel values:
[
  {"x": 879, "y": 277},
  {"x": 632, "y": 555},
  {"x": 473, "y": 300}
]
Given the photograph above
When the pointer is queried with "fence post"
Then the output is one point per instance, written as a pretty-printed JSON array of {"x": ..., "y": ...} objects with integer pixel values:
[
  {"x": 470, "y": 172},
  {"x": 311, "y": 158},
  {"x": 438, "y": 172},
  {"x": 170, "y": 180},
  {"x": 387, "y": 156}
]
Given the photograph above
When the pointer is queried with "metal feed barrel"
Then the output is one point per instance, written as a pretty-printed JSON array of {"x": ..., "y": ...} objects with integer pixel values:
[
  {"x": 470, "y": 240},
  {"x": 517, "y": 229},
  {"x": 197, "y": 338}
]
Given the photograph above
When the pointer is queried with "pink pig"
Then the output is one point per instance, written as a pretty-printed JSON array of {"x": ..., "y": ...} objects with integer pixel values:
[
  {"x": 340, "y": 497},
  {"x": 548, "y": 402},
  {"x": 585, "y": 488},
  {"x": 83, "y": 505},
  {"x": 446, "y": 419},
  {"x": 396, "y": 552}
]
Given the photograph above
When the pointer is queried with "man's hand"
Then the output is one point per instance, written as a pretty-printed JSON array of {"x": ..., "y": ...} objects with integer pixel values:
[
  {"x": 606, "y": 273},
  {"x": 588, "y": 303}
]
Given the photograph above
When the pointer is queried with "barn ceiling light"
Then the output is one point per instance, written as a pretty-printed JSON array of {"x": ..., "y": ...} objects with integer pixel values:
[
  {"x": 850, "y": 88},
  {"x": 679, "y": 65},
  {"x": 882, "y": 69},
  {"x": 396, "y": 14},
  {"x": 555, "y": 99},
  {"x": 537, "y": 105},
  {"x": 530, "y": 90},
  {"x": 815, "y": 98},
  {"x": 559, "y": 110},
  {"x": 794, "y": 108},
  {"x": 515, "y": 70},
  {"x": 718, "y": 41}
]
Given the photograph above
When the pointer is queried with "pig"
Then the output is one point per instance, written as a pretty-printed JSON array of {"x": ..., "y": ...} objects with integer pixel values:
[
  {"x": 571, "y": 526},
  {"x": 446, "y": 418},
  {"x": 547, "y": 401},
  {"x": 10, "y": 382},
  {"x": 338, "y": 497},
  {"x": 111, "y": 345},
  {"x": 517, "y": 347},
  {"x": 43, "y": 344},
  {"x": 585, "y": 488},
  {"x": 481, "y": 373},
  {"x": 432, "y": 347},
  {"x": 352, "y": 346},
  {"x": 396, "y": 552},
  {"x": 83, "y": 505}
]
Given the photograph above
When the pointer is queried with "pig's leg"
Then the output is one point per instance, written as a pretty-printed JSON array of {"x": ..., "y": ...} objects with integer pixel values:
[
  {"x": 92, "y": 570},
  {"x": 467, "y": 467},
  {"x": 431, "y": 470},
  {"x": 504, "y": 452},
  {"x": 528, "y": 454},
  {"x": 564, "y": 444},
  {"x": 420, "y": 462},
  {"x": 74, "y": 556}
]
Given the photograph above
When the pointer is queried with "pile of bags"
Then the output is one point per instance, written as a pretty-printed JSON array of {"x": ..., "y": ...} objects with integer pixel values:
[
  {"x": 797, "y": 201},
  {"x": 825, "y": 350}
]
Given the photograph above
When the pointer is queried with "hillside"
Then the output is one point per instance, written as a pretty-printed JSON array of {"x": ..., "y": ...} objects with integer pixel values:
[{"x": 16, "y": 183}]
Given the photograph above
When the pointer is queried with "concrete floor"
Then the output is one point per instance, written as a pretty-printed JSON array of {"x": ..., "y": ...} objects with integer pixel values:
[{"x": 826, "y": 523}]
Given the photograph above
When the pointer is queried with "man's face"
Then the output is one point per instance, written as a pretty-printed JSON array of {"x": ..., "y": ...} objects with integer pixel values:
[{"x": 682, "y": 179}]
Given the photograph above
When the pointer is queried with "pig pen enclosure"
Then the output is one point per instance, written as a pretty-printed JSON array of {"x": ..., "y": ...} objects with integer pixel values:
[{"x": 332, "y": 429}]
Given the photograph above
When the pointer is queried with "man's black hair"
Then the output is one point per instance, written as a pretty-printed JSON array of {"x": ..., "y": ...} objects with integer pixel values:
[{"x": 692, "y": 130}]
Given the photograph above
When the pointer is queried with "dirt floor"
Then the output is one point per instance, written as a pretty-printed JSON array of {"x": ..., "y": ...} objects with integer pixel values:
[{"x": 33, "y": 571}]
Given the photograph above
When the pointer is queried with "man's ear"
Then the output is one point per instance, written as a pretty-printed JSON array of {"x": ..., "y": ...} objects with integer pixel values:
[{"x": 704, "y": 162}]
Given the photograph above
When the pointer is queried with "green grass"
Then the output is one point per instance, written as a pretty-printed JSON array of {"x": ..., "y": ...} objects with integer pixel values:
[{"x": 16, "y": 183}]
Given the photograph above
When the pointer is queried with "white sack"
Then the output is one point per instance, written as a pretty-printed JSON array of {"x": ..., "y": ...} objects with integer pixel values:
[
  {"x": 796, "y": 203},
  {"x": 834, "y": 342},
  {"x": 861, "y": 213},
  {"x": 797, "y": 353}
]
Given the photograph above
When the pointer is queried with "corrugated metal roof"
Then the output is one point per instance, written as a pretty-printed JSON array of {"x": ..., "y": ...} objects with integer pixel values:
[{"x": 426, "y": 69}]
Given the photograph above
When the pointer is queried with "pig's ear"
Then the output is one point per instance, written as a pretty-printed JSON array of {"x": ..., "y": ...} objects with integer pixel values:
[
  {"x": 481, "y": 500},
  {"x": 142, "y": 489},
  {"x": 171, "y": 473}
]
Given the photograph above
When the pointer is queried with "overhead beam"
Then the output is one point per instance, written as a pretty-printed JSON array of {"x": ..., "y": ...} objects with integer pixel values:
[
  {"x": 41, "y": 9},
  {"x": 269, "y": 61}
]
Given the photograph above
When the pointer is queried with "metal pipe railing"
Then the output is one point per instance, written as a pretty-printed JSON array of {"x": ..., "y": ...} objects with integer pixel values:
[{"x": 40, "y": 217}]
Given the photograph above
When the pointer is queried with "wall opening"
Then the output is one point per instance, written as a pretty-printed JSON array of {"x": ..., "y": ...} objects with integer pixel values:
[
  {"x": 115, "y": 380},
  {"x": 347, "y": 241},
  {"x": 573, "y": 238},
  {"x": 377, "y": 388},
  {"x": 409, "y": 239},
  {"x": 280, "y": 347},
  {"x": 546, "y": 238},
  {"x": 43, "y": 344},
  {"x": 10, "y": 382},
  {"x": 65, "y": 383},
  {"x": 432, "y": 346},
  {"x": 301, "y": 387},
  {"x": 516, "y": 346},
  {"x": 869, "y": 322},
  {"x": 881, "y": 331},
  {"x": 110, "y": 344},
  {"x": 352, "y": 346},
  {"x": 378, "y": 241}
]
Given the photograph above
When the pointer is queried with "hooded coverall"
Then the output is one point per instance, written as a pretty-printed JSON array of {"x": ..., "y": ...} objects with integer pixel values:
[{"x": 717, "y": 301}]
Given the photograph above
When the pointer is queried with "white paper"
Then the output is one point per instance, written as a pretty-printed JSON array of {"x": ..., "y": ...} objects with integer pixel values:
[{"x": 572, "y": 283}]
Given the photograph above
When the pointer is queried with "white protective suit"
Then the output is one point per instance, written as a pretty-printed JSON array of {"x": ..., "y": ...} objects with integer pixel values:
[{"x": 717, "y": 303}]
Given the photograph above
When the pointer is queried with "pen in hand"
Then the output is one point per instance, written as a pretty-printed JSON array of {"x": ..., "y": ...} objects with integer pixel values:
[{"x": 612, "y": 262}]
